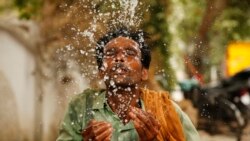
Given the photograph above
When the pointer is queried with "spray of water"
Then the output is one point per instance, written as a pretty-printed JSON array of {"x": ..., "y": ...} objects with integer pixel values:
[{"x": 100, "y": 16}]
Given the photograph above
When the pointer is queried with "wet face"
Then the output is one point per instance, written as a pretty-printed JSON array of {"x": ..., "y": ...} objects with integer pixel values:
[{"x": 122, "y": 63}]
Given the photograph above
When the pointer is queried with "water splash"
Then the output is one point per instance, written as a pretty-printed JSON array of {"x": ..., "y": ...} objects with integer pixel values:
[
  {"x": 128, "y": 17},
  {"x": 111, "y": 14},
  {"x": 96, "y": 18}
]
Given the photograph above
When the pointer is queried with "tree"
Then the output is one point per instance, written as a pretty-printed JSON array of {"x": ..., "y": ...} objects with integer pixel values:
[
  {"x": 213, "y": 9},
  {"x": 156, "y": 25},
  {"x": 204, "y": 28}
]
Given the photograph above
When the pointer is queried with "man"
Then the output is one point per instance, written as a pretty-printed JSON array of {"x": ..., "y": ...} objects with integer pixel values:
[{"x": 125, "y": 111}]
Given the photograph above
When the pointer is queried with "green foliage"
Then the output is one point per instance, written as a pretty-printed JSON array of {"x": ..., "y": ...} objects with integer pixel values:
[
  {"x": 189, "y": 15},
  {"x": 232, "y": 25},
  {"x": 156, "y": 25},
  {"x": 5, "y": 5},
  {"x": 234, "y": 22},
  {"x": 184, "y": 17},
  {"x": 28, "y": 8}
]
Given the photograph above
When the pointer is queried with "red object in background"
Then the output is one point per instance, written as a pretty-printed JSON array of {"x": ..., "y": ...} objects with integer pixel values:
[{"x": 198, "y": 76}]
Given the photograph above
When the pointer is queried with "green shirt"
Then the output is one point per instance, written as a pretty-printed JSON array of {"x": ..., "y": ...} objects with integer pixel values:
[{"x": 91, "y": 104}]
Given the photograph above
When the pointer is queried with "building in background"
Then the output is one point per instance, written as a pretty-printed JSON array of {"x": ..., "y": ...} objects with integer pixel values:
[{"x": 34, "y": 87}]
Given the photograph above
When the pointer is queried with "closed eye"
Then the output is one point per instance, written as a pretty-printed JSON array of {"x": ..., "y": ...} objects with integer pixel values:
[
  {"x": 131, "y": 52},
  {"x": 110, "y": 52}
]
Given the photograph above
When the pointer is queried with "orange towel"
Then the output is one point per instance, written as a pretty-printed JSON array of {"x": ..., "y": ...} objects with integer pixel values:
[{"x": 161, "y": 106}]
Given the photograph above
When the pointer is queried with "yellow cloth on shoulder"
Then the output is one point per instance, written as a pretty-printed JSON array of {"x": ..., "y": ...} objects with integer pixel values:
[{"x": 161, "y": 106}]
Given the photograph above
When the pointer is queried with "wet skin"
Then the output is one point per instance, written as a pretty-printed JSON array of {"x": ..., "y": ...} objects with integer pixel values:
[
  {"x": 122, "y": 63},
  {"x": 123, "y": 72}
]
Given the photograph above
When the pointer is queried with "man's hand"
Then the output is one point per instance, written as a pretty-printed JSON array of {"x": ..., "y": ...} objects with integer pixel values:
[
  {"x": 97, "y": 131},
  {"x": 145, "y": 123}
]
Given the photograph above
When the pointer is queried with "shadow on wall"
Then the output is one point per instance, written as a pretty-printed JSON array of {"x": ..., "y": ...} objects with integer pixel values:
[{"x": 8, "y": 112}]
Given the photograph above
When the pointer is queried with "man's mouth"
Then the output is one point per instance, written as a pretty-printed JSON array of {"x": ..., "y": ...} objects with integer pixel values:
[{"x": 119, "y": 69}]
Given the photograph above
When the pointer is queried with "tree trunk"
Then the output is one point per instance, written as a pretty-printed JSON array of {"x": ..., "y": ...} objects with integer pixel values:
[{"x": 214, "y": 9}]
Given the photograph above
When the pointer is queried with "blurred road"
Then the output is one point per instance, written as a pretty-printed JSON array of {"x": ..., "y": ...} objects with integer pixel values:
[
  {"x": 207, "y": 137},
  {"x": 186, "y": 106}
]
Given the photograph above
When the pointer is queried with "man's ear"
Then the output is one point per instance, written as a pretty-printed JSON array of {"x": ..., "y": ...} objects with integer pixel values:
[{"x": 144, "y": 74}]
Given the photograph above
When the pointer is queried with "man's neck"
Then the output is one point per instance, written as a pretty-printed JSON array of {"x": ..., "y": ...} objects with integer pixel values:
[{"x": 120, "y": 99}]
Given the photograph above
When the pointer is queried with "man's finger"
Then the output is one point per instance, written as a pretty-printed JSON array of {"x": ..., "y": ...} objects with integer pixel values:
[
  {"x": 139, "y": 128},
  {"x": 144, "y": 118},
  {"x": 104, "y": 134},
  {"x": 149, "y": 116},
  {"x": 108, "y": 138},
  {"x": 154, "y": 121},
  {"x": 87, "y": 130},
  {"x": 99, "y": 129},
  {"x": 146, "y": 122},
  {"x": 90, "y": 130}
]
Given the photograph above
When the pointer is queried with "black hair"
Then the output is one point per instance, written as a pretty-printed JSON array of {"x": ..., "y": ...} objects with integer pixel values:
[{"x": 138, "y": 36}]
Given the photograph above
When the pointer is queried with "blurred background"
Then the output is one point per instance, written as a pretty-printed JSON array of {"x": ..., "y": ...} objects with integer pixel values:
[{"x": 200, "y": 48}]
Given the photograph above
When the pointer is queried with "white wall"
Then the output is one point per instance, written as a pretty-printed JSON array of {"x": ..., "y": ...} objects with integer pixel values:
[{"x": 17, "y": 65}]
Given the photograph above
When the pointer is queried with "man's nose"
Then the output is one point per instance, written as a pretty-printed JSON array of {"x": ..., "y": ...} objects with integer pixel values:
[{"x": 119, "y": 57}]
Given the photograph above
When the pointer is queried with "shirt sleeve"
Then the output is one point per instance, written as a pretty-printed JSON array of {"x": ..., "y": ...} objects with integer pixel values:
[
  {"x": 71, "y": 126},
  {"x": 191, "y": 134}
]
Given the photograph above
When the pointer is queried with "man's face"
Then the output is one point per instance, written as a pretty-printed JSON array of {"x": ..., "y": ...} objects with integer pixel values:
[{"x": 122, "y": 63}]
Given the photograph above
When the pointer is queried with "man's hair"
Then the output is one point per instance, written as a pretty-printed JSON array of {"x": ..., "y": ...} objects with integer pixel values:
[{"x": 138, "y": 36}]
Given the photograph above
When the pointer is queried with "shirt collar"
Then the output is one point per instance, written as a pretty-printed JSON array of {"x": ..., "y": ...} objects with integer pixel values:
[{"x": 99, "y": 101}]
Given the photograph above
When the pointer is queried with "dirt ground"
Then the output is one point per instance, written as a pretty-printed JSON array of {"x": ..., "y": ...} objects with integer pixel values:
[
  {"x": 187, "y": 107},
  {"x": 207, "y": 137},
  {"x": 220, "y": 137}
]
